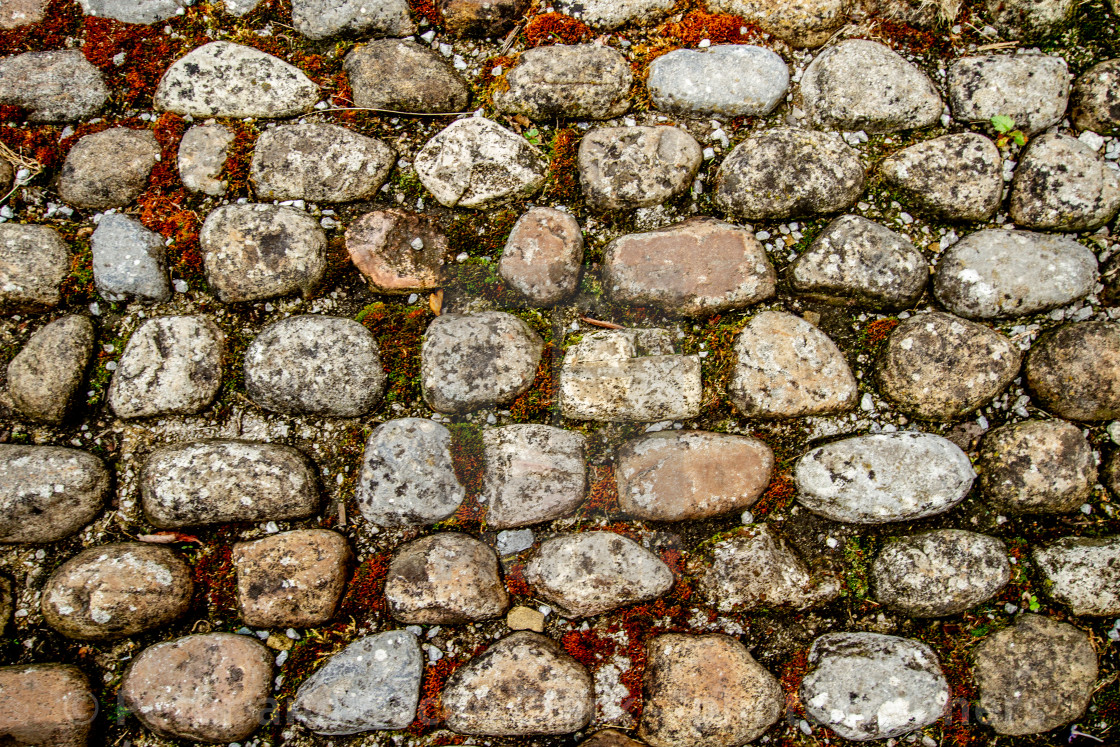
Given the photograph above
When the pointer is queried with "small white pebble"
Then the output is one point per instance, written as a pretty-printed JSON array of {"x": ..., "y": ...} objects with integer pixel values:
[{"x": 462, "y": 257}]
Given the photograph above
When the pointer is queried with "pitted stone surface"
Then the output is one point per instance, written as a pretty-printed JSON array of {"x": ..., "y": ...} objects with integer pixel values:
[
  {"x": 940, "y": 573},
  {"x": 57, "y": 86},
  {"x": 883, "y": 477},
  {"x": 534, "y": 473},
  {"x": 45, "y": 375},
  {"x": 1030, "y": 20},
  {"x": 134, "y": 11},
  {"x": 109, "y": 168},
  {"x": 398, "y": 251},
  {"x": 610, "y": 14},
  {"x": 1071, "y": 370},
  {"x": 321, "y": 19},
  {"x": 218, "y": 481},
  {"x": 202, "y": 156},
  {"x": 401, "y": 75},
  {"x": 48, "y": 492},
  {"x": 695, "y": 268},
  {"x": 481, "y": 17},
  {"x": 1083, "y": 574},
  {"x": 955, "y": 177},
  {"x": 786, "y": 368},
  {"x": 688, "y": 475},
  {"x": 1061, "y": 184},
  {"x": 407, "y": 475},
  {"x": 802, "y": 23},
  {"x": 583, "y": 81},
  {"x": 730, "y": 80},
  {"x": 543, "y": 255},
  {"x": 129, "y": 260},
  {"x": 16, "y": 13},
  {"x": 1038, "y": 466},
  {"x": 1096, "y": 99},
  {"x": 47, "y": 704},
  {"x": 1032, "y": 89},
  {"x": 34, "y": 260},
  {"x": 621, "y": 168},
  {"x": 444, "y": 579}
]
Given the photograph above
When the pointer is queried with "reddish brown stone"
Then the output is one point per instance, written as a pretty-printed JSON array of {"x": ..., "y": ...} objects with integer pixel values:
[
  {"x": 47, "y": 704},
  {"x": 481, "y": 17},
  {"x": 542, "y": 257},
  {"x": 398, "y": 251},
  {"x": 16, "y": 13},
  {"x": 445, "y": 578}
]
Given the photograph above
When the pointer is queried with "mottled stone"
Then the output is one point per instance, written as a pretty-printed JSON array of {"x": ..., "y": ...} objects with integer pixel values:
[
  {"x": 705, "y": 691},
  {"x": 621, "y": 168},
  {"x": 7, "y": 600},
  {"x": 1061, "y": 184},
  {"x": 212, "y": 687},
  {"x": 525, "y": 618},
  {"x": 1038, "y": 466},
  {"x": 800, "y": 23},
  {"x": 129, "y": 261},
  {"x": 688, "y": 475},
  {"x": 755, "y": 182},
  {"x": 319, "y": 163},
  {"x": 1072, "y": 371},
  {"x": 320, "y": 19},
  {"x": 883, "y": 477},
  {"x": 523, "y": 684},
  {"x": 407, "y": 474},
  {"x": 171, "y": 365},
  {"x": 533, "y": 473},
  {"x": 108, "y": 169},
  {"x": 956, "y": 177},
  {"x": 398, "y": 251},
  {"x": 253, "y": 252},
  {"x": 855, "y": 260},
  {"x": 60, "y": 86},
  {"x": 582, "y": 81},
  {"x": 7, "y": 176},
  {"x": 134, "y": 11},
  {"x": 729, "y": 80},
  {"x": 218, "y": 481},
  {"x": 1032, "y": 89},
  {"x": 202, "y": 157},
  {"x": 469, "y": 361},
  {"x": 1096, "y": 99},
  {"x": 46, "y": 704},
  {"x": 1083, "y": 574},
  {"x": 315, "y": 365},
  {"x": 373, "y": 683},
  {"x": 610, "y": 14},
  {"x": 117, "y": 590},
  {"x": 46, "y": 373},
  {"x": 870, "y": 686},
  {"x": 34, "y": 260},
  {"x": 481, "y": 17},
  {"x": 940, "y": 367},
  {"x": 222, "y": 79},
  {"x": 477, "y": 163},
  {"x": 1034, "y": 676},
  {"x": 1030, "y": 20},
  {"x": 939, "y": 573},
  {"x": 444, "y": 579},
  {"x": 16, "y": 13},
  {"x": 699, "y": 267},
  {"x": 401, "y": 75},
  {"x": 542, "y": 256},
  {"x": 48, "y": 492}
]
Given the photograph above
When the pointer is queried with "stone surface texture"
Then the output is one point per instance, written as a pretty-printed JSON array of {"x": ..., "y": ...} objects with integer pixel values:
[
  {"x": 34, "y": 260},
  {"x": 401, "y": 75},
  {"x": 398, "y": 251},
  {"x": 47, "y": 704},
  {"x": 48, "y": 492},
  {"x": 1083, "y": 573},
  {"x": 582, "y": 81},
  {"x": 1038, "y": 466},
  {"x": 621, "y": 168},
  {"x": 444, "y": 579},
  {"x": 1061, "y": 184},
  {"x": 542, "y": 257},
  {"x": 533, "y": 473},
  {"x": 955, "y": 177},
  {"x": 108, "y": 169},
  {"x": 45, "y": 375},
  {"x": 202, "y": 156},
  {"x": 321, "y": 19},
  {"x": 292, "y": 579},
  {"x": 804, "y": 23},
  {"x": 1069, "y": 371},
  {"x": 1096, "y": 99},
  {"x": 59, "y": 86},
  {"x": 129, "y": 260},
  {"x": 1031, "y": 89},
  {"x": 731, "y": 80}
]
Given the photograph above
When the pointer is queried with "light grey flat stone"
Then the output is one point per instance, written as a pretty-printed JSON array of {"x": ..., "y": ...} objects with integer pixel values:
[
  {"x": 730, "y": 80},
  {"x": 1083, "y": 574},
  {"x": 129, "y": 260}
]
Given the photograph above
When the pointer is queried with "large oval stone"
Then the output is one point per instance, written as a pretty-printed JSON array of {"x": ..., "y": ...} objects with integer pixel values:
[
  {"x": 622, "y": 168},
  {"x": 730, "y": 80},
  {"x": 1072, "y": 371},
  {"x": 1037, "y": 466},
  {"x": 582, "y": 81},
  {"x": 444, "y": 579},
  {"x": 1061, "y": 184},
  {"x": 1031, "y": 89},
  {"x": 534, "y": 473},
  {"x": 955, "y": 177},
  {"x": 46, "y": 704},
  {"x": 1083, "y": 573},
  {"x": 57, "y": 86},
  {"x": 48, "y": 492},
  {"x": 45, "y": 375}
]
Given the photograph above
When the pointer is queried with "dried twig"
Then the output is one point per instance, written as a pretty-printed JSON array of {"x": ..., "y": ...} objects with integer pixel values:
[
  {"x": 997, "y": 45},
  {"x": 32, "y": 167},
  {"x": 167, "y": 538},
  {"x": 600, "y": 323}
]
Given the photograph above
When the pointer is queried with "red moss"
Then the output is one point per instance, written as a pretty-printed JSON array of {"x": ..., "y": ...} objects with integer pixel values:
[
  {"x": 778, "y": 495},
  {"x": 487, "y": 77},
  {"x": 535, "y": 405},
  {"x": 515, "y": 581},
  {"x": 587, "y": 647},
  {"x": 563, "y": 170},
  {"x": 398, "y": 331},
  {"x": 602, "y": 498},
  {"x": 62, "y": 21},
  {"x": 426, "y": 9},
  {"x": 555, "y": 28},
  {"x": 875, "y": 333},
  {"x": 719, "y": 28},
  {"x": 365, "y": 594},
  {"x": 214, "y": 576},
  {"x": 235, "y": 170},
  {"x": 914, "y": 40},
  {"x": 792, "y": 675},
  {"x": 148, "y": 52}
]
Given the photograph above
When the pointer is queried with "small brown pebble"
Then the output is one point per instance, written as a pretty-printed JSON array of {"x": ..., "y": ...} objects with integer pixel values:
[{"x": 525, "y": 618}]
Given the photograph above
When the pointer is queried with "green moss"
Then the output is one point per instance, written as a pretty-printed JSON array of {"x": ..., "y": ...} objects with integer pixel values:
[
  {"x": 856, "y": 582},
  {"x": 399, "y": 330}
]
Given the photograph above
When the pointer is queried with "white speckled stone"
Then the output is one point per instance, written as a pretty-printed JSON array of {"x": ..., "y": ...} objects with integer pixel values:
[
  {"x": 129, "y": 260},
  {"x": 1032, "y": 89},
  {"x": 730, "y": 80},
  {"x": 534, "y": 473},
  {"x": 1083, "y": 574}
]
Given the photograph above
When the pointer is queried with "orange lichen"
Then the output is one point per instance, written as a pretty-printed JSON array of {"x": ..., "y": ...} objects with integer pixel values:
[
  {"x": 792, "y": 675},
  {"x": 132, "y": 57},
  {"x": 875, "y": 333},
  {"x": 602, "y": 498},
  {"x": 778, "y": 495},
  {"x": 718, "y": 28},
  {"x": 535, "y": 405},
  {"x": 515, "y": 580},
  {"x": 214, "y": 576},
  {"x": 365, "y": 594},
  {"x": 62, "y": 21},
  {"x": 426, "y": 9},
  {"x": 555, "y": 28},
  {"x": 563, "y": 169}
]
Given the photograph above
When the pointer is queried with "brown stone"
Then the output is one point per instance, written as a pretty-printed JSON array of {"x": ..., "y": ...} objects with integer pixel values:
[
  {"x": 293, "y": 579},
  {"x": 46, "y": 373},
  {"x": 34, "y": 261},
  {"x": 16, "y": 13},
  {"x": 444, "y": 579},
  {"x": 1038, "y": 466},
  {"x": 481, "y": 17},
  {"x": 404, "y": 76},
  {"x": 117, "y": 590},
  {"x": 108, "y": 169},
  {"x": 1074, "y": 371},
  {"x": 212, "y": 687},
  {"x": 609, "y": 738},
  {"x": 48, "y": 492},
  {"x": 542, "y": 256},
  {"x": 46, "y": 704},
  {"x": 686, "y": 475},
  {"x": 525, "y": 618},
  {"x": 7, "y": 172},
  {"x": 398, "y": 251}
]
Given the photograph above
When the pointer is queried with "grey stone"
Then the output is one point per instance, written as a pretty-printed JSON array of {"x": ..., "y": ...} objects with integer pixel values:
[
  {"x": 397, "y": 251},
  {"x": 629, "y": 375},
  {"x": 315, "y": 365},
  {"x": 1083, "y": 574},
  {"x": 46, "y": 704},
  {"x": 34, "y": 260},
  {"x": 401, "y": 75},
  {"x": 469, "y": 361},
  {"x": 253, "y": 252},
  {"x": 941, "y": 367},
  {"x": 16, "y": 13},
  {"x": 240, "y": 8},
  {"x": 61, "y": 86},
  {"x": 523, "y": 684},
  {"x": 755, "y": 182},
  {"x": 688, "y": 475},
  {"x": 1034, "y": 676},
  {"x": 883, "y": 477},
  {"x": 940, "y": 573},
  {"x": 407, "y": 476},
  {"x": 117, "y": 590},
  {"x": 870, "y": 686},
  {"x": 863, "y": 85},
  {"x": 582, "y": 81},
  {"x": 320, "y": 19},
  {"x": 1037, "y": 466},
  {"x": 787, "y": 368},
  {"x": 212, "y": 687},
  {"x": 610, "y": 14},
  {"x": 589, "y": 573},
  {"x": 481, "y": 17},
  {"x": 134, "y": 11},
  {"x": 218, "y": 481},
  {"x": 46, "y": 373},
  {"x": 443, "y": 579},
  {"x": 729, "y": 80},
  {"x": 955, "y": 177},
  {"x": 542, "y": 257},
  {"x": 1061, "y": 184},
  {"x": 754, "y": 568},
  {"x": 374, "y": 683},
  {"x": 171, "y": 365},
  {"x": 291, "y": 579},
  {"x": 1032, "y": 89},
  {"x": 1096, "y": 99},
  {"x": 319, "y": 163},
  {"x": 621, "y": 168},
  {"x": 855, "y": 260},
  {"x": 805, "y": 23},
  {"x": 705, "y": 691},
  {"x": 1030, "y": 20},
  {"x": 48, "y": 492},
  {"x": 1071, "y": 371},
  {"x": 129, "y": 260},
  {"x": 533, "y": 473},
  {"x": 513, "y": 541},
  {"x": 699, "y": 267},
  {"x": 202, "y": 156},
  {"x": 995, "y": 273},
  {"x": 477, "y": 163},
  {"x": 222, "y": 79},
  {"x": 109, "y": 168}
]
